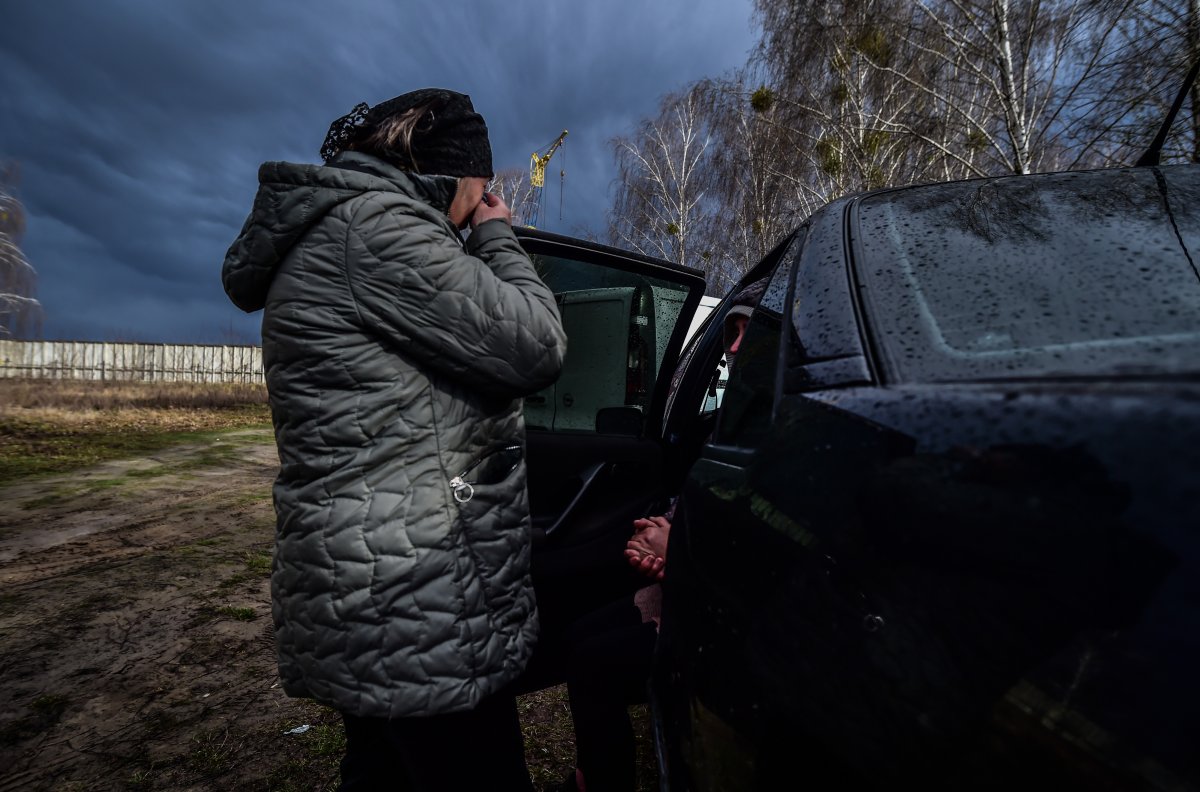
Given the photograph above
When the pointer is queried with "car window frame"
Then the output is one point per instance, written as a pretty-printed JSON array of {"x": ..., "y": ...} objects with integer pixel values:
[
  {"x": 537, "y": 242},
  {"x": 699, "y": 358},
  {"x": 850, "y": 362}
]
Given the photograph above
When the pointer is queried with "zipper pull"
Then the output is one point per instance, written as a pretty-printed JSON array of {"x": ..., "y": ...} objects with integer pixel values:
[{"x": 463, "y": 491}]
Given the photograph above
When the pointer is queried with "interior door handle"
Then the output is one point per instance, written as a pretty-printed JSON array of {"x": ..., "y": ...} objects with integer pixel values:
[{"x": 589, "y": 477}]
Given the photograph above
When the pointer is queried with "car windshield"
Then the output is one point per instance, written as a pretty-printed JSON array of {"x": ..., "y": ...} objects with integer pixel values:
[{"x": 1075, "y": 274}]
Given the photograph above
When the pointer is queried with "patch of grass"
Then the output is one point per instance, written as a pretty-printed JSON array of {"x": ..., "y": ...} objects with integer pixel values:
[
  {"x": 259, "y": 562},
  {"x": 107, "y": 395},
  {"x": 146, "y": 473},
  {"x": 49, "y": 427},
  {"x": 327, "y": 740},
  {"x": 549, "y": 734},
  {"x": 141, "y": 778},
  {"x": 55, "y": 455},
  {"x": 234, "y": 581},
  {"x": 307, "y": 761},
  {"x": 296, "y": 776},
  {"x": 239, "y": 614},
  {"x": 252, "y": 498},
  {"x": 212, "y": 752},
  {"x": 58, "y": 495},
  {"x": 190, "y": 550},
  {"x": 550, "y": 739},
  {"x": 40, "y": 449},
  {"x": 96, "y": 485}
]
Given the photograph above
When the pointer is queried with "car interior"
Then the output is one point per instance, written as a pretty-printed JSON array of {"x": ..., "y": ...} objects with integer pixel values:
[{"x": 594, "y": 458}]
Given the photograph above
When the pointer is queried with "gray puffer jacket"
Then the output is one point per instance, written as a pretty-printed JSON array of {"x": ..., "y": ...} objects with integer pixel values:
[{"x": 396, "y": 359}]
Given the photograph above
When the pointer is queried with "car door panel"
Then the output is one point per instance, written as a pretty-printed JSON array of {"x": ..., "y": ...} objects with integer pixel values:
[
  {"x": 594, "y": 450},
  {"x": 576, "y": 480},
  {"x": 593, "y": 438}
]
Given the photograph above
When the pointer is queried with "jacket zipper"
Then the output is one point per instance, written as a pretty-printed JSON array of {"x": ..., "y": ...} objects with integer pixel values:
[{"x": 464, "y": 490}]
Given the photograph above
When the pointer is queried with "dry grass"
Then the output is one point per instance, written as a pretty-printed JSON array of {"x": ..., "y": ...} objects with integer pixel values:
[
  {"x": 81, "y": 396},
  {"x": 53, "y": 426}
]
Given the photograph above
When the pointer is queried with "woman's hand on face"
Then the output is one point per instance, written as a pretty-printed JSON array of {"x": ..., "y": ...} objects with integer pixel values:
[{"x": 491, "y": 207}]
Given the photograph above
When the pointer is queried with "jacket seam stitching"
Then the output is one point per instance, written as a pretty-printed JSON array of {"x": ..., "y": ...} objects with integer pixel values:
[
  {"x": 365, "y": 200},
  {"x": 450, "y": 522}
]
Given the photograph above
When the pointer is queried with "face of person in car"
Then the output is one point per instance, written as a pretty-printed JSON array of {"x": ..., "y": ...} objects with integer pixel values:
[
  {"x": 738, "y": 325},
  {"x": 735, "y": 330}
]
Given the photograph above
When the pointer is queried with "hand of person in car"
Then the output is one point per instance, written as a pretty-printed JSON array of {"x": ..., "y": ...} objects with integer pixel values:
[
  {"x": 651, "y": 566},
  {"x": 646, "y": 550}
]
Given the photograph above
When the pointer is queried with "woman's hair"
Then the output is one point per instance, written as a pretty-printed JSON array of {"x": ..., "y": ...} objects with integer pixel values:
[{"x": 392, "y": 137}]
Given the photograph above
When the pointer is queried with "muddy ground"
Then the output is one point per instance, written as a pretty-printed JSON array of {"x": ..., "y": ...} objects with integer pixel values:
[{"x": 135, "y": 640}]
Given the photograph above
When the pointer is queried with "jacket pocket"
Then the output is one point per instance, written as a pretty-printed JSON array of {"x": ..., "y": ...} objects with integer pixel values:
[
  {"x": 493, "y": 509},
  {"x": 492, "y": 468}
]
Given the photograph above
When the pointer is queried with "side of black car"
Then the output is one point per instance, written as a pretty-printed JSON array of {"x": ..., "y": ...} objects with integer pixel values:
[{"x": 945, "y": 527}]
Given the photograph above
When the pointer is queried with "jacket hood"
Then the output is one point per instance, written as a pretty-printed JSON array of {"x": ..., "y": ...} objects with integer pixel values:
[{"x": 291, "y": 198}]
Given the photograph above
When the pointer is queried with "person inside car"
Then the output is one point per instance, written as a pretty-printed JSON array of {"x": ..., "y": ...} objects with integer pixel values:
[
  {"x": 611, "y": 648},
  {"x": 647, "y": 548}
]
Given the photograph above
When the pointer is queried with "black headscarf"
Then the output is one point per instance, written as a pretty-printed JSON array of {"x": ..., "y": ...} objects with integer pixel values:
[{"x": 451, "y": 139}]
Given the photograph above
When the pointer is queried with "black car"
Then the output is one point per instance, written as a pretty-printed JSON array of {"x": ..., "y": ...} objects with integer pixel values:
[{"x": 944, "y": 528}]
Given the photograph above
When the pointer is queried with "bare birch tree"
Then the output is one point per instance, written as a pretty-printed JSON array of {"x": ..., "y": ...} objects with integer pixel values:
[
  {"x": 969, "y": 87},
  {"x": 749, "y": 201},
  {"x": 660, "y": 189},
  {"x": 844, "y": 96},
  {"x": 1027, "y": 65},
  {"x": 853, "y": 124},
  {"x": 1155, "y": 43},
  {"x": 20, "y": 312}
]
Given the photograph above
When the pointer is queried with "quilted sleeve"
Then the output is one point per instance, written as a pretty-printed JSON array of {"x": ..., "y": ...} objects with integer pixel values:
[{"x": 486, "y": 320}]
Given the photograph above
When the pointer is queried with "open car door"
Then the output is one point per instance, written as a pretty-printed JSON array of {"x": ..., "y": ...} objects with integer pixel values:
[{"x": 594, "y": 444}]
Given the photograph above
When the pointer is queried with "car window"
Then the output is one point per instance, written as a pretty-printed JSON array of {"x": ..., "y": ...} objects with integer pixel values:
[
  {"x": 618, "y": 326},
  {"x": 693, "y": 379},
  {"x": 745, "y": 415},
  {"x": 1072, "y": 274},
  {"x": 708, "y": 315}
]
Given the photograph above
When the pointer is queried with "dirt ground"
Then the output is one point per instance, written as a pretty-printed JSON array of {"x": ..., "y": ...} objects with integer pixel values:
[{"x": 135, "y": 639}]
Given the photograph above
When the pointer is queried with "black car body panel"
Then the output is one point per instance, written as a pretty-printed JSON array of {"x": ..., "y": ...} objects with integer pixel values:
[
  {"x": 957, "y": 572},
  {"x": 938, "y": 591}
]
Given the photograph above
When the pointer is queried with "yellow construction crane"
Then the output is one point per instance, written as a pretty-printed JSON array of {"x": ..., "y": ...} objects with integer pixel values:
[{"x": 537, "y": 177}]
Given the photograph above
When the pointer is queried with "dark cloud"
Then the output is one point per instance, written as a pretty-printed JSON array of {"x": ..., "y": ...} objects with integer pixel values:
[{"x": 139, "y": 125}]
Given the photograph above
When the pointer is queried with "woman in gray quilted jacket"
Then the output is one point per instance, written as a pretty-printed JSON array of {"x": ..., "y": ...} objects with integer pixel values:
[{"x": 396, "y": 358}]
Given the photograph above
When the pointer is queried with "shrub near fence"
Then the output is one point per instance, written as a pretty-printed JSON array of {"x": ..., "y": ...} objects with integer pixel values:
[{"x": 139, "y": 362}]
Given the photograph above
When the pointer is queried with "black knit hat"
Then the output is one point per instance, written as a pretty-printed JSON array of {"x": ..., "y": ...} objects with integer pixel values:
[{"x": 450, "y": 139}]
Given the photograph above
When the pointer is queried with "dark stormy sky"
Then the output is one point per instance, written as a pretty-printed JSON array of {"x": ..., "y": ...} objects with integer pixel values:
[{"x": 139, "y": 125}]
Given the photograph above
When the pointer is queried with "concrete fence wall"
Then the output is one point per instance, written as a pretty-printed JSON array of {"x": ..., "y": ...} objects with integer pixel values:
[{"x": 144, "y": 362}]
